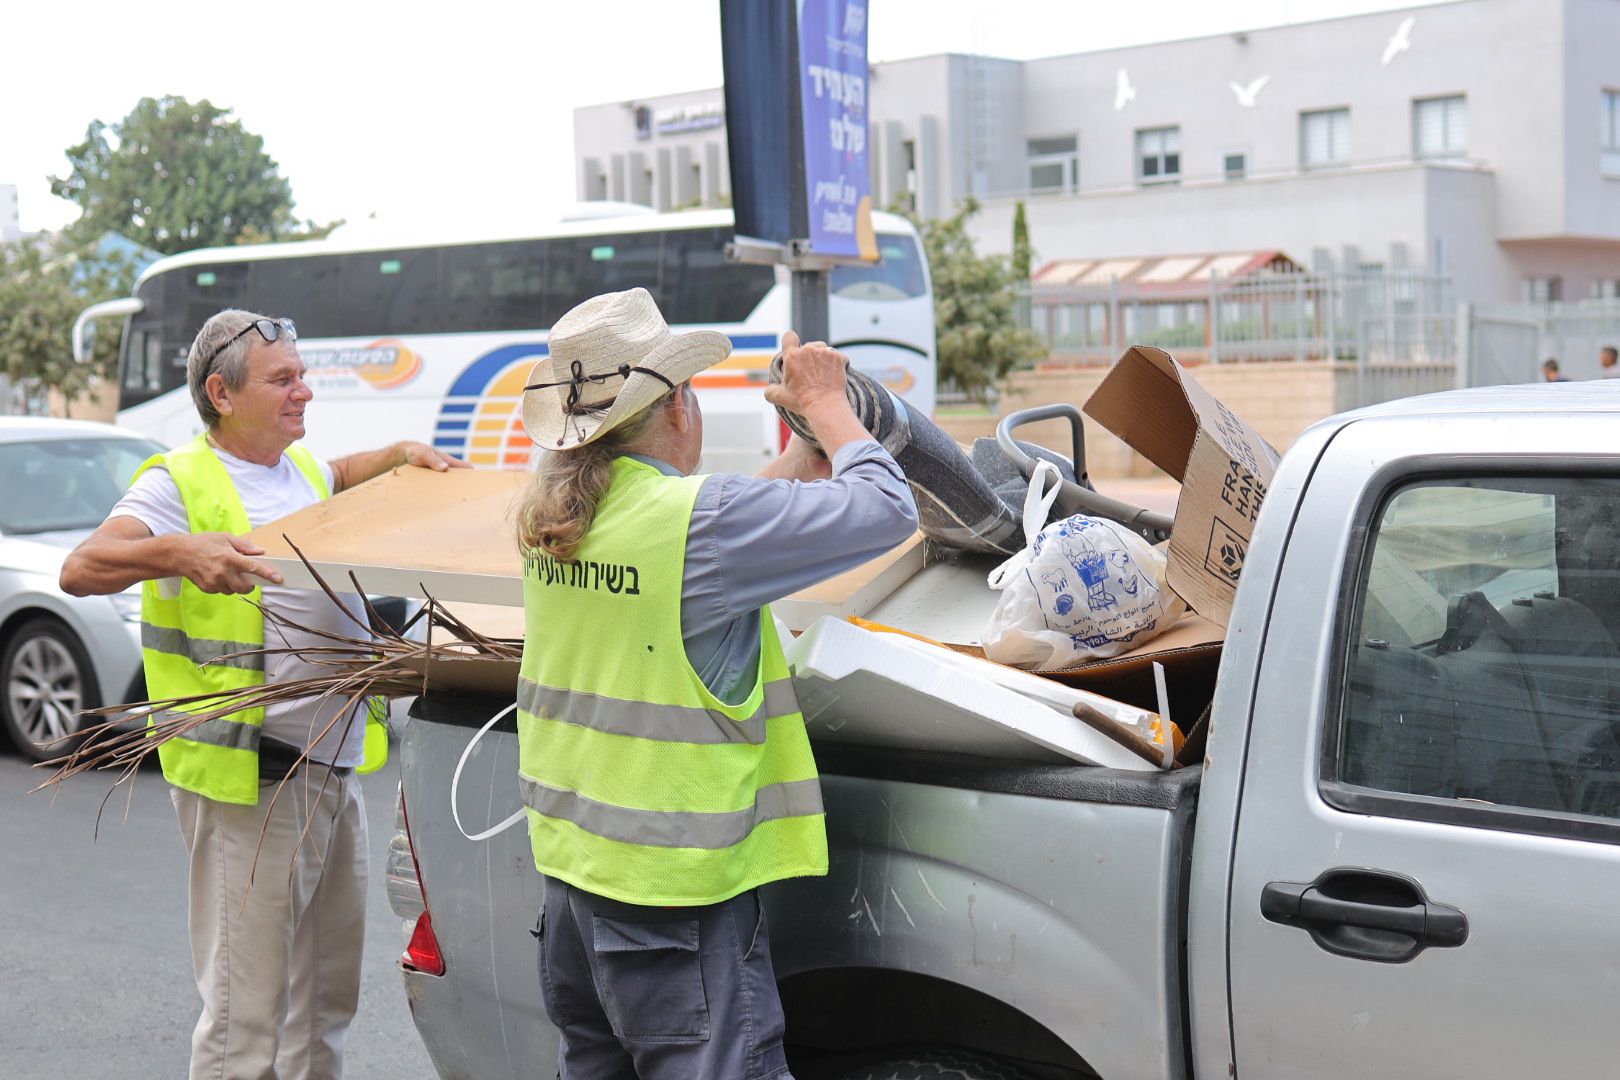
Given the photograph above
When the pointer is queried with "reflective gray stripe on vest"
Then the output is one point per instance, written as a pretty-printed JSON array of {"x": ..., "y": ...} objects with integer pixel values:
[
  {"x": 200, "y": 651},
  {"x": 663, "y": 723},
  {"x": 673, "y": 829},
  {"x": 232, "y": 734}
]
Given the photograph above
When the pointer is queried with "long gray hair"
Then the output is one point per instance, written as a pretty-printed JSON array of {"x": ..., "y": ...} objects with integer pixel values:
[{"x": 559, "y": 502}]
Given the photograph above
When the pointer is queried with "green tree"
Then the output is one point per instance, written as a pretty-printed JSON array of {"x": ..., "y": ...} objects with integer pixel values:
[
  {"x": 41, "y": 293},
  {"x": 1022, "y": 253},
  {"x": 175, "y": 175},
  {"x": 975, "y": 320}
]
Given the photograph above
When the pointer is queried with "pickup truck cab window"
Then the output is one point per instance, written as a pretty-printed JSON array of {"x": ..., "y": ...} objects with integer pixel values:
[{"x": 1482, "y": 667}]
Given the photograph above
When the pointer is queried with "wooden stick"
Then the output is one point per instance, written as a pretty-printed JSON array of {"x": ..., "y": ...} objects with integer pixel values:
[{"x": 1129, "y": 739}]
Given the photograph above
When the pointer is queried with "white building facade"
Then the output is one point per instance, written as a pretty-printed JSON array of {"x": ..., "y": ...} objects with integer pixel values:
[
  {"x": 10, "y": 224},
  {"x": 1478, "y": 139}
]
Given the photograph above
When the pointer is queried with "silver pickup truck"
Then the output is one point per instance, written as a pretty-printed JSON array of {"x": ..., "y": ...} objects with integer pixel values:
[{"x": 1400, "y": 856}]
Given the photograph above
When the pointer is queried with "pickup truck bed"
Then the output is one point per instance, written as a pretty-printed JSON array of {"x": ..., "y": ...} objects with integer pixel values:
[{"x": 925, "y": 848}]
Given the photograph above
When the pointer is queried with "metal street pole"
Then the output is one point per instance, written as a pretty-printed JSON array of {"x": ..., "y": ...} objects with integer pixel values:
[{"x": 809, "y": 305}]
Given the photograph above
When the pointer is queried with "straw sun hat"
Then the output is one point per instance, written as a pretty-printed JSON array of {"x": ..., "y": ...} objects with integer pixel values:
[{"x": 609, "y": 358}]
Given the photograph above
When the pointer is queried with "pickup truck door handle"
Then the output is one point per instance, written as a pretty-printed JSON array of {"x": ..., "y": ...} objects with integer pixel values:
[{"x": 1366, "y": 914}]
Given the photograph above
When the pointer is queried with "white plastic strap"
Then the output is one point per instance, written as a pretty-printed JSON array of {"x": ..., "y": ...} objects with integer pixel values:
[
  {"x": 1039, "y": 499},
  {"x": 455, "y": 785},
  {"x": 1037, "y": 504}
]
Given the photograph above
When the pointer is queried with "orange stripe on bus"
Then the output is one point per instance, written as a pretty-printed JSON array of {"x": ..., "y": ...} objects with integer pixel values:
[
  {"x": 746, "y": 361},
  {"x": 725, "y": 381}
]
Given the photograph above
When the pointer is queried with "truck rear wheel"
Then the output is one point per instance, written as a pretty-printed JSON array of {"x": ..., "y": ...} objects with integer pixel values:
[{"x": 938, "y": 1065}]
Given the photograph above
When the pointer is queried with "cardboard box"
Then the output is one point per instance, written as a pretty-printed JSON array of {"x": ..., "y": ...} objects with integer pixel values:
[
  {"x": 1190, "y": 652},
  {"x": 1225, "y": 468}
]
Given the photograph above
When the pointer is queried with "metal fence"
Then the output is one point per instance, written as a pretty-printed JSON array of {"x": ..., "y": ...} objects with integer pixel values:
[
  {"x": 1388, "y": 334},
  {"x": 1506, "y": 343},
  {"x": 1382, "y": 317}
]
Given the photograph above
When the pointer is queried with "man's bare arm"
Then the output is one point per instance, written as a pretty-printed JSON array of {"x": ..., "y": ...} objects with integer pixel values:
[
  {"x": 358, "y": 468},
  {"x": 123, "y": 551}
]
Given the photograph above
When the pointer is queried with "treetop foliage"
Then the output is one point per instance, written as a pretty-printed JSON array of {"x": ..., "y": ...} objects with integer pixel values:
[
  {"x": 176, "y": 175},
  {"x": 975, "y": 317}
]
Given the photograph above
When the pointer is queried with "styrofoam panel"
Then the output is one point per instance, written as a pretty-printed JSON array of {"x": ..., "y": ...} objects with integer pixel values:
[{"x": 885, "y": 690}]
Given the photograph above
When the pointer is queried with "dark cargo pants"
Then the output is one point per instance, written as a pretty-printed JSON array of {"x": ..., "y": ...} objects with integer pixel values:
[{"x": 650, "y": 993}]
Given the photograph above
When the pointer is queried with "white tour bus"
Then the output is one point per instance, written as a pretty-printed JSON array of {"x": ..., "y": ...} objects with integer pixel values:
[{"x": 433, "y": 339}]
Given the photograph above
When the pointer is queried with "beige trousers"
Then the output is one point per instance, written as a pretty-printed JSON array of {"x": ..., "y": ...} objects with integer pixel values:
[{"x": 276, "y": 948}]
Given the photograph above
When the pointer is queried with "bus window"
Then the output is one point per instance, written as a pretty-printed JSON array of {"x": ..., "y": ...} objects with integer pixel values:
[
  {"x": 153, "y": 356},
  {"x": 490, "y": 287},
  {"x": 701, "y": 286},
  {"x": 143, "y": 373},
  {"x": 896, "y": 275},
  {"x": 303, "y": 290},
  {"x": 198, "y": 292},
  {"x": 581, "y": 267},
  {"x": 390, "y": 292}
]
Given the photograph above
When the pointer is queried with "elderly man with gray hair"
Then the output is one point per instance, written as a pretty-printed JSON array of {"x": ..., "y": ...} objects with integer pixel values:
[{"x": 276, "y": 955}]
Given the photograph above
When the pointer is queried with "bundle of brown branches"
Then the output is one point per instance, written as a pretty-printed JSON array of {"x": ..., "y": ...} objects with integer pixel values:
[{"x": 376, "y": 661}]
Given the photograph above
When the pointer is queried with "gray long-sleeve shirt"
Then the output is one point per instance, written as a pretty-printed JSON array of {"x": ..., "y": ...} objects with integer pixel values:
[{"x": 754, "y": 541}]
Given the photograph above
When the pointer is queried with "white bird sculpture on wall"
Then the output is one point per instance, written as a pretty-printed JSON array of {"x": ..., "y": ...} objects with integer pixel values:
[
  {"x": 1246, "y": 95},
  {"x": 1124, "y": 92},
  {"x": 1402, "y": 40}
]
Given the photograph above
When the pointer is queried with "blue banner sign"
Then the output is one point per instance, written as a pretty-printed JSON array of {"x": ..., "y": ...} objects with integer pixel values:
[{"x": 833, "y": 84}]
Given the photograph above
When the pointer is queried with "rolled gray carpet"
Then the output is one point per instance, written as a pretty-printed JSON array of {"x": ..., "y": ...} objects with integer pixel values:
[
  {"x": 957, "y": 507},
  {"x": 1003, "y": 476}
]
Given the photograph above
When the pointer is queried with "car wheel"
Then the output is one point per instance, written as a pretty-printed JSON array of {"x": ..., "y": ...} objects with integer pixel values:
[
  {"x": 937, "y": 1065},
  {"x": 45, "y": 682}
]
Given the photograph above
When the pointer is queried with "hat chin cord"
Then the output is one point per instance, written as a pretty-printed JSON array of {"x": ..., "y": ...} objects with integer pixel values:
[{"x": 576, "y": 382}]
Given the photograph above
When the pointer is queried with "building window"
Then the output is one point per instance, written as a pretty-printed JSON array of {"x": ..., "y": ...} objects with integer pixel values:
[
  {"x": 1235, "y": 164},
  {"x": 1606, "y": 289},
  {"x": 1543, "y": 290},
  {"x": 1158, "y": 155},
  {"x": 1054, "y": 164},
  {"x": 1324, "y": 138},
  {"x": 1611, "y": 132},
  {"x": 1440, "y": 127}
]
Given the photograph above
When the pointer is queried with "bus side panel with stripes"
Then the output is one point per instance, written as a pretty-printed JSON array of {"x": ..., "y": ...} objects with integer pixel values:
[{"x": 433, "y": 340}]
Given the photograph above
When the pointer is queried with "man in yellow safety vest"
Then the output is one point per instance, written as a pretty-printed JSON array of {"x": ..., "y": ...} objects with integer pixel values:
[
  {"x": 662, "y": 754},
  {"x": 278, "y": 963}
]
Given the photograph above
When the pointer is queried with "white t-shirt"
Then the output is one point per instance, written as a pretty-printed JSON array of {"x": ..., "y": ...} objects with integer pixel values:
[{"x": 268, "y": 493}]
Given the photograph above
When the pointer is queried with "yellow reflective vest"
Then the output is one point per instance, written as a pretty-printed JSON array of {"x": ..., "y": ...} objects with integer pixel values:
[
  {"x": 187, "y": 640},
  {"x": 640, "y": 784}
]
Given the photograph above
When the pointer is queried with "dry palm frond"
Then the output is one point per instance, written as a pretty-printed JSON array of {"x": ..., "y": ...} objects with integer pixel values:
[{"x": 355, "y": 667}]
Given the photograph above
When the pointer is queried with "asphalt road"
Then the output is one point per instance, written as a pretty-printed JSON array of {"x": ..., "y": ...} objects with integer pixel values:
[{"x": 95, "y": 972}]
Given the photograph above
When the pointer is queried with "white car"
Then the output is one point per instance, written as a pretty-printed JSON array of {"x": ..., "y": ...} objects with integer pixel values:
[{"x": 60, "y": 654}]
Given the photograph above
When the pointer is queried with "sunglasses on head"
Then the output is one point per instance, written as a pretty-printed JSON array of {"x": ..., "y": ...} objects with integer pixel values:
[{"x": 269, "y": 329}]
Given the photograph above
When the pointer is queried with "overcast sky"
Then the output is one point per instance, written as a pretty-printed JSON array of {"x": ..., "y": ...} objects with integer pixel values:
[{"x": 461, "y": 113}]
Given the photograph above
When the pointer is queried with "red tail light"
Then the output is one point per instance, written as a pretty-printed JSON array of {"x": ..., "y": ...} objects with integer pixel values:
[{"x": 423, "y": 951}]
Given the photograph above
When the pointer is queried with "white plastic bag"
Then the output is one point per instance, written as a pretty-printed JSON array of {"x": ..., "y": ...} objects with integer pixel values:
[{"x": 1083, "y": 588}]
